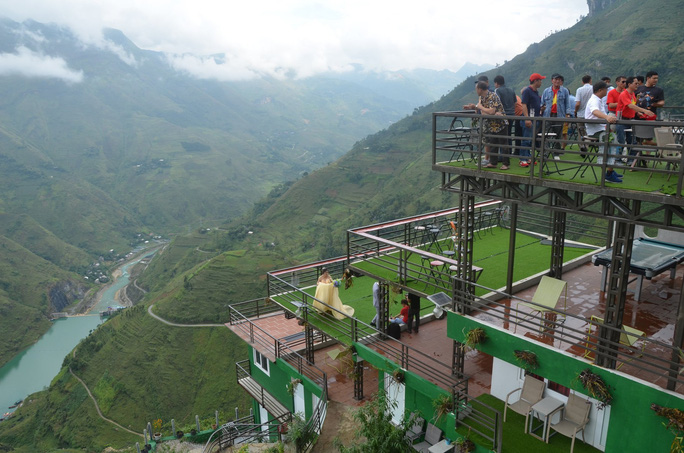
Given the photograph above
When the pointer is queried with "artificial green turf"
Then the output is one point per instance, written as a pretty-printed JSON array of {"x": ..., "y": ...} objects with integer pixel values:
[
  {"x": 489, "y": 252},
  {"x": 632, "y": 180},
  {"x": 516, "y": 441}
]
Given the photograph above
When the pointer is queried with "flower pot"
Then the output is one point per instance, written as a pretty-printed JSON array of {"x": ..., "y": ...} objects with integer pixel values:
[
  {"x": 179, "y": 434},
  {"x": 156, "y": 437},
  {"x": 193, "y": 432}
]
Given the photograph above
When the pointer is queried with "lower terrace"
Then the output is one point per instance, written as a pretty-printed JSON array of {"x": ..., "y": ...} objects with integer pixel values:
[{"x": 401, "y": 254}]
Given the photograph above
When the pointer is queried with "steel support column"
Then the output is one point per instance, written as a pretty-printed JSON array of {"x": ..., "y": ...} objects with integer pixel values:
[
  {"x": 458, "y": 358},
  {"x": 358, "y": 380},
  {"x": 309, "y": 340},
  {"x": 383, "y": 321},
  {"x": 463, "y": 286},
  {"x": 557, "y": 244},
  {"x": 616, "y": 290}
]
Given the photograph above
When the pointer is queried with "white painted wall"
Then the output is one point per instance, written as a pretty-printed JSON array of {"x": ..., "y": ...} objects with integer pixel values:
[
  {"x": 507, "y": 377},
  {"x": 396, "y": 393}
]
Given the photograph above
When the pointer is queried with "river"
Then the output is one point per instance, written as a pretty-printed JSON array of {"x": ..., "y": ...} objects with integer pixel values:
[{"x": 34, "y": 368}]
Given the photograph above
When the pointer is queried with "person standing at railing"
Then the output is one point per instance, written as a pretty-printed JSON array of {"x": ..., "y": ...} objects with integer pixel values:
[
  {"x": 627, "y": 109},
  {"x": 612, "y": 102},
  {"x": 531, "y": 104},
  {"x": 556, "y": 103},
  {"x": 494, "y": 130},
  {"x": 377, "y": 297},
  {"x": 508, "y": 100},
  {"x": 413, "y": 312},
  {"x": 596, "y": 110},
  {"x": 650, "y": 97},
  {"x": 582, "y": 96}
]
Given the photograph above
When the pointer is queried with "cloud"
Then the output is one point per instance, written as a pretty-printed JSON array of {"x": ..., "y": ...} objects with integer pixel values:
[
  {"x": 306, "y": 37},
  {"x": 28, "y": 63}
]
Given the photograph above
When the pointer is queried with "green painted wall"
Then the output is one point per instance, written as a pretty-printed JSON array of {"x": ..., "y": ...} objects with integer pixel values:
[
  {"x": 281, "y": 373},
  {"x": 633, "y": 427}
]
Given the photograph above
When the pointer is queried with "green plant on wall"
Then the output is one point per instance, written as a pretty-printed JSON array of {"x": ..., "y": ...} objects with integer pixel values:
[
  {"x": 675, "y": 425},
  {"x": 526, "y": 359},
  {"x": 398, "y": 375},
  {"x": 443, "y": 405},
  {"x": 464, "y": 444},
  {"x": 292, "y": 386},
  {"x": 473, "y": 337},
  {"x": 596, "y": 387}
]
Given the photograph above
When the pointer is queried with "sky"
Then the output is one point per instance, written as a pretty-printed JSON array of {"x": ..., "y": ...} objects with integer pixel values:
[{"x": 301, "y": 37}]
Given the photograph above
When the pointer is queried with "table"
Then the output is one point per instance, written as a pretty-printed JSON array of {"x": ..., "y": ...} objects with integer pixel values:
[
  {"x": 649, "y": 258},
  {"x": 588, "y": 157},
  {"x": 441, "y": 447},
  {"x": 543, "y": 409}
]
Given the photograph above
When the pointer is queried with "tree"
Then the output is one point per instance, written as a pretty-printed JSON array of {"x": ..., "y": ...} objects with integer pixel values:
[{"x": 377, "y": 429}]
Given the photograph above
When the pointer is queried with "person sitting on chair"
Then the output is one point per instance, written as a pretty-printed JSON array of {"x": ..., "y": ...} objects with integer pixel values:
[{"x": 402, "y": 317}]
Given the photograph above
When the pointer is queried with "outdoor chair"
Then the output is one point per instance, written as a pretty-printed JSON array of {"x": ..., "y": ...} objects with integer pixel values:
[
  {"x": 432, "y": 436},
  {"x": 530, "y": 394},
  {"x": 670, "y": 150},
  {"x": 416, "y": 430},
  {"x": 574, "y": 418},
  {"x": 628, "y": 337},
  {"x": 546, "y": 296}
]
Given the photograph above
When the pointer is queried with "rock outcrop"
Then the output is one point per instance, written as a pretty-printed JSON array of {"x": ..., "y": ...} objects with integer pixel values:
[{"x": 64, "y": 293}]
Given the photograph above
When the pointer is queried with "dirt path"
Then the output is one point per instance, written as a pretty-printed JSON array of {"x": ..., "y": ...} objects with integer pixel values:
[
  {"x": 169, "y": 323},
  {"x": 97, "y": 407}
]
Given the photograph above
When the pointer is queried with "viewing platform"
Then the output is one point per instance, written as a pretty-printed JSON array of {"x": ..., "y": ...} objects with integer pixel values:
[{"x": 573, "y": 168}]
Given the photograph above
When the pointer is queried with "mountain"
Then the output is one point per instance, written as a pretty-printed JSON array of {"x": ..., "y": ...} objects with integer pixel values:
[
  {"x": 101, "y": 144},
  {"x": 415, "y": 87},
  {"x": 383, "y": 176}
]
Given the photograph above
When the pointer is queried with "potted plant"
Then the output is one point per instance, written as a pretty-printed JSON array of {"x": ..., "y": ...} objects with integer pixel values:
[
  {"x": 527, "y": 359},
  {"x": 443, "y": 404},
  {"x": 464, "y": 444},
  {"x": 675, "y": 425},
  {"x": 179, "y": 434},
  {"x": 398, "y": 375},
  {"x": 596, "y": 387},
  {"x": 473, "y": 337},
  {"x": 193, "y": 432},
  {"x": 157, "y": 424},
  {"x": 292, "y": 386}
]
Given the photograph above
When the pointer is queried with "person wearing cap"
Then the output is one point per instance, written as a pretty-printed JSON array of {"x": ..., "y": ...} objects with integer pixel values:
[{"x": 531, "y": 102}]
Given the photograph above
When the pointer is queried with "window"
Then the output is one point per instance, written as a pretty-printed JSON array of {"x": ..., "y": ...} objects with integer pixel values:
[
  {"x": 558, "y": 388},
  {"x": 261, "y": 362}
]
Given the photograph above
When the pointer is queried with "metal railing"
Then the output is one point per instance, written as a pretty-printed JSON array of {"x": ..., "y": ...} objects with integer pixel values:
[
  {"x": 276, "y": 347},
  {"x": 243, "y": 431},
  {"x": 653, "y": 360},
  {"x": 460, "y": 144},
  {"x": 350, "y": 330}
]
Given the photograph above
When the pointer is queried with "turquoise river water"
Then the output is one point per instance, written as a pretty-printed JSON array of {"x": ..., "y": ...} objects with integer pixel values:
[{"x": 34, "y": 368}]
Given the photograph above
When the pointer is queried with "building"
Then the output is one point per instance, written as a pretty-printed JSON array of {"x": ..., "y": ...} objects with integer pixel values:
[{"x": 544, "y": 309}]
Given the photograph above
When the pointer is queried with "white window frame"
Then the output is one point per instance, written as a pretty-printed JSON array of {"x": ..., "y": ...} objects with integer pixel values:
[{"x": 261, "y": 362}]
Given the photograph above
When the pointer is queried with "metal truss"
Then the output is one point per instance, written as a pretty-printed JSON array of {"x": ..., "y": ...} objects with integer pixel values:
[{"x": 651, "y": 211}]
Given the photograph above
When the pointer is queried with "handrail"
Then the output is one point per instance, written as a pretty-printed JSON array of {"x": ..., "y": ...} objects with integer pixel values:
[
  {"x": 554, "y": 324},
  {"x": 409, "y": 358},
  {"x": 302, "y": 365},
  {"x": 465, "y": 144}
]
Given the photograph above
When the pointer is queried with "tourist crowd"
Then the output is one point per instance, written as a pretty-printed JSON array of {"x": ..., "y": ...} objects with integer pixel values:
[{"x": 635, "y": 97}]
